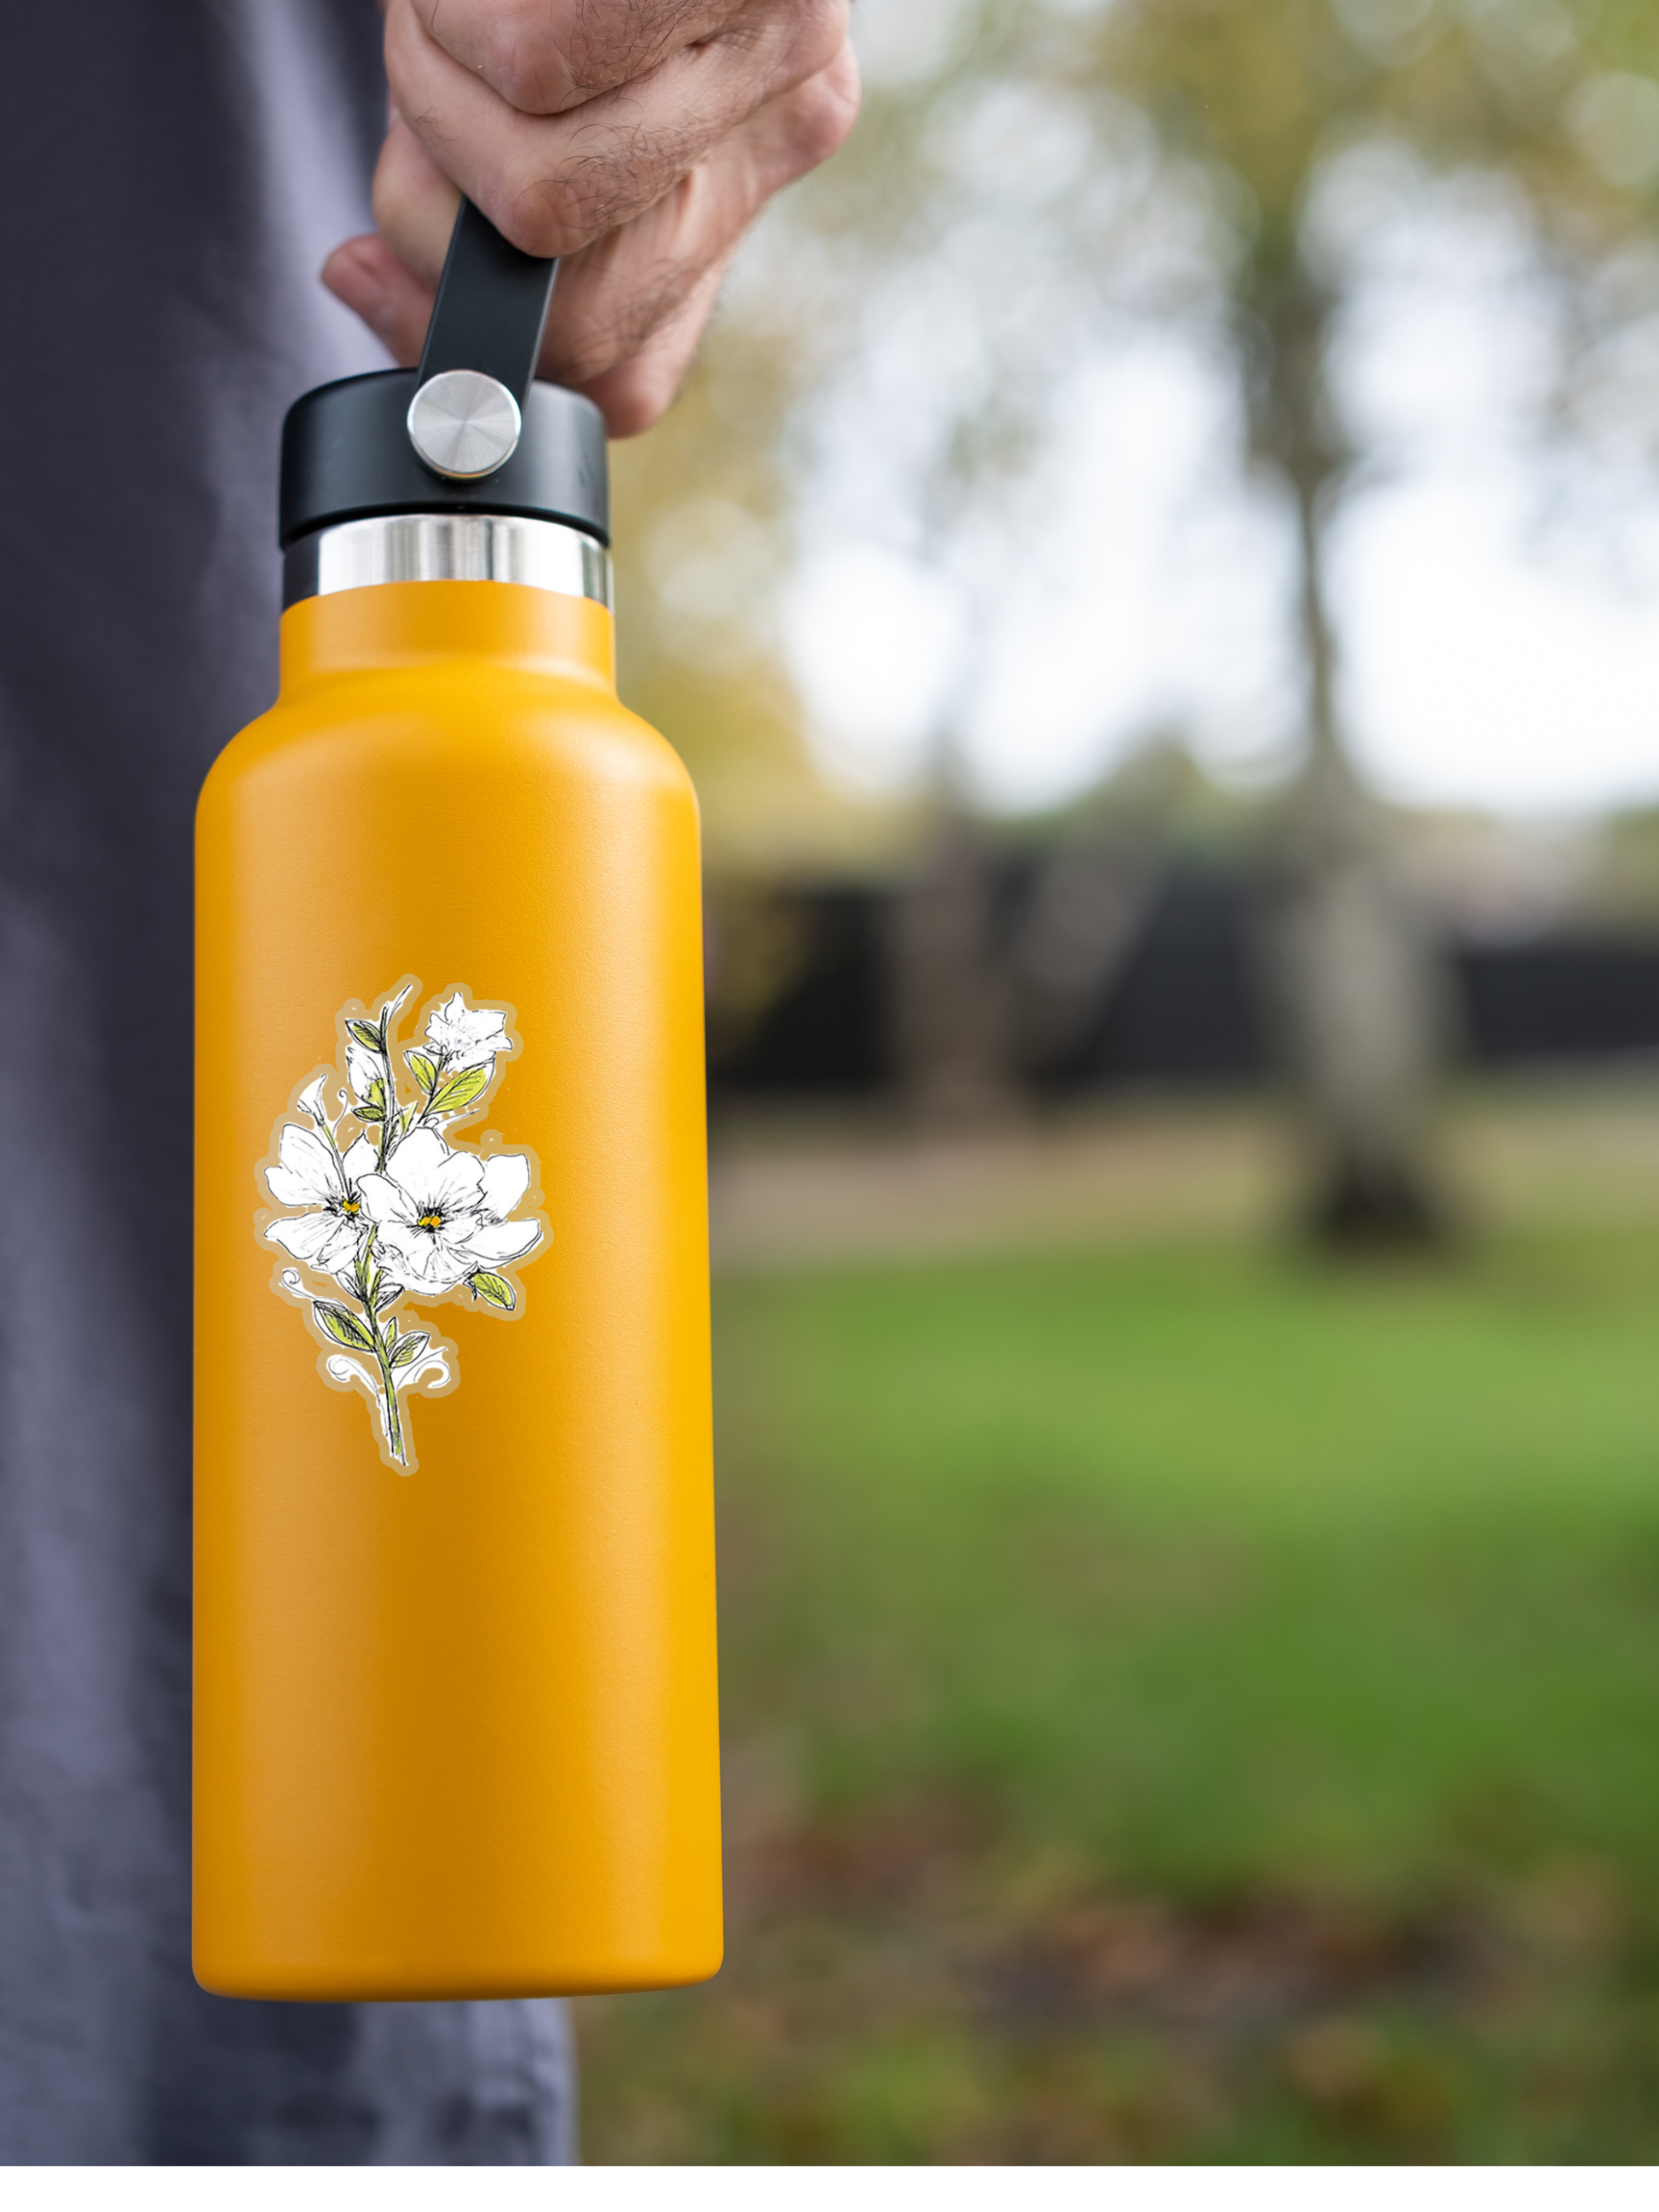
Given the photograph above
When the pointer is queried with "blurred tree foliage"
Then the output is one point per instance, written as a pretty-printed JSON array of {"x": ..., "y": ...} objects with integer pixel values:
[
  {"x": 1030, "y": 185},
  {"x": 1270, "y": 94},
  {"x": 703, "y": 542}
]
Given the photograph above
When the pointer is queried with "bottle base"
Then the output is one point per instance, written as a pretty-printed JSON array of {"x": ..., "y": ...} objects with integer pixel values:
[{"x": 359, "y": 1985}]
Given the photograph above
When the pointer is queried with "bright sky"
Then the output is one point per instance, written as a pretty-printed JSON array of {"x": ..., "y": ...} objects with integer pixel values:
[{"x": 1495, "y": 654}]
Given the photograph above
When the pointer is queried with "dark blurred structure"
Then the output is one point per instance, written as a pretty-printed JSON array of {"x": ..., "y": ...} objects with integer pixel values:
[{"x": 1181, "y": 1007}]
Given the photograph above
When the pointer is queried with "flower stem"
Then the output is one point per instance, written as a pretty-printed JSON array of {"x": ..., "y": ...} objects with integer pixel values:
[
  {"x": 425, "y": 1115},
  {"x": 391, "y": 1109},
  {"x": 394, "y": 1418},
  {"x": 368, "y": 1282}
]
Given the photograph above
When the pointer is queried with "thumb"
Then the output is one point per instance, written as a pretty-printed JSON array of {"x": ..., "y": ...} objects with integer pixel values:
[{"x": 367, "y": 277}]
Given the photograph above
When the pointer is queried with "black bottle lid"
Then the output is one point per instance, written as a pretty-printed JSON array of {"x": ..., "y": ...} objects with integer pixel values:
[
  {"x": 347, "y": 452},
  {"x": 347, "y": 448}
]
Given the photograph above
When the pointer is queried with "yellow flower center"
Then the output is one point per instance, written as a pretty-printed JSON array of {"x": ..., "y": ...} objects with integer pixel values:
[
  {"x": 430, "y": 1221},
  {"x": 349, "y": 1206}
]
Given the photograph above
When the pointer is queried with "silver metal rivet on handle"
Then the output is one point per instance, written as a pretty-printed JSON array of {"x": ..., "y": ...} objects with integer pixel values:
[{"x": 464, "y": 423}]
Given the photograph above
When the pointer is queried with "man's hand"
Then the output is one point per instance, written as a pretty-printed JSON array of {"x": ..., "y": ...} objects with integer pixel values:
[{"x": 638, "y": 139}]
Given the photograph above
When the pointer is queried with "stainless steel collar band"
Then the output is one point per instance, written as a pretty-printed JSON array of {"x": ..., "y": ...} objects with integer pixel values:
[{"x": 442, "y": 548}]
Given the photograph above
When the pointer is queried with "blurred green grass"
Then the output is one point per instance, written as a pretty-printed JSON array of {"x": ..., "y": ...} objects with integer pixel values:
[{"x": 1181, "y": 1703}]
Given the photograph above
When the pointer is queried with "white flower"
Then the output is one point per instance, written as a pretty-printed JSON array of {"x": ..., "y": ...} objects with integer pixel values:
[
  {"x": 363, "y": 1068},
  {"x": 309, "y": 1173},
  {"x": 464, "y": 1039},
  {"x": 504, "y": 1181},
  {"x": 438, "y": 1219}
]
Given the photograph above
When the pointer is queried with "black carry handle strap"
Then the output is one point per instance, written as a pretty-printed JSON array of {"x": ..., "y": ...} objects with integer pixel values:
[{"x": 492, "y": 306}]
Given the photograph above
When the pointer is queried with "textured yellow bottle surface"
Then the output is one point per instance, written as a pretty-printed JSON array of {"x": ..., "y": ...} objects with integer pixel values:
[{"x": 455, "y": 1727}]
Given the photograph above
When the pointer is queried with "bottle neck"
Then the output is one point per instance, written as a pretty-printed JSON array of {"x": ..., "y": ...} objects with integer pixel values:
[{"x": 440, "y": 548}]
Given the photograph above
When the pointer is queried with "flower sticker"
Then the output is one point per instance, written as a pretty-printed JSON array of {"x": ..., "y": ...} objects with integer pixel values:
[{"x": 385, "y": 1208}]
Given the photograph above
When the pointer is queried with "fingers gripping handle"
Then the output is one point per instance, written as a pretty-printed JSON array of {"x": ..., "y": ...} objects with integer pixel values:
[{"x": 482, "y": 344}]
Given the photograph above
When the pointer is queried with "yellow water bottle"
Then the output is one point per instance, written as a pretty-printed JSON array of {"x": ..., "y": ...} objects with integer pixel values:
[{"x": 455, "y": 1699}]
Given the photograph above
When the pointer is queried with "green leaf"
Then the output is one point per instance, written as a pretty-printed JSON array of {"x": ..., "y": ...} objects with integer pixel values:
[
  {"x": 369, "y": 1114},
  {"x": 378, "y": 1092},
  {"x": 461, "y": 1088},
  {"x": 345, "y": 1327},
  {"x": 389, "y": 1297},
  {"x": 410, "y": 1349},
  {"x": 424, "y": 1069},
  {"x": 493, "y": 1289},
  {"x": 367, "y": 1035},
  {"x": 391, "y": 1334}
]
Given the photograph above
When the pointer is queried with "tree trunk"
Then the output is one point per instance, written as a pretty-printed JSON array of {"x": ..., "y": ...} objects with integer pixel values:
[
  {"x": 1359, "y": 1017},
  {"x": 1353, "y": 981},
  {"x": 950, "y": 1023}
]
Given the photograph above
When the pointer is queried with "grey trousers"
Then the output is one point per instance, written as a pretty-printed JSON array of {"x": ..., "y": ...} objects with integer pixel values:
[{"x": 173, "y": 172}]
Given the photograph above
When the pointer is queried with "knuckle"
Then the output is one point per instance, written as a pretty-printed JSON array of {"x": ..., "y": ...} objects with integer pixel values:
[
  {"x": 509, "y": 44},
  {"x": 820, "y": 38},
  {"x": 793, "y": 43},
  {"x": 818, "y": 117},
  {"x": 544, "y": 217},
  {"x": 545, "y": 69},
  {"x": 596, "y": 181},
  {"x": 552, "y": 204},
  {"x": 559, "y": 213},
  {"x": 830, "y": 105},
  {"x": 639, "y": 400},
  {"x": 525, "y": 65}
]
